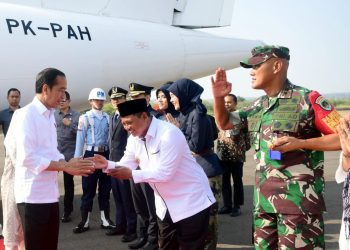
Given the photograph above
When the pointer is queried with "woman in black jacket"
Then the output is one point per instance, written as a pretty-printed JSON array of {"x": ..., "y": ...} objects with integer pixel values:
[
  {"x": 199, "y": 132},
  {"x": 194, "y": 123}
]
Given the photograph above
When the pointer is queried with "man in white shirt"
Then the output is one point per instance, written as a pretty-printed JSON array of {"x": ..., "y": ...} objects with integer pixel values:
[
  {"x": 181, "y": 188},
  {"x": 37, "y": 162}
]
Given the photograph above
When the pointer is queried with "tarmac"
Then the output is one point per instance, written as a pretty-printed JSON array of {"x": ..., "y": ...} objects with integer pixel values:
[{"x": 234, "y": 232}]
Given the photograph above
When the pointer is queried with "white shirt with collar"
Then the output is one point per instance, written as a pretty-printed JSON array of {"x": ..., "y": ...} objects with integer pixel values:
[
  {"x": 340, "y": 176},
  {"x": 179, "y": 183},
  {"x": 35, "y": 140}
]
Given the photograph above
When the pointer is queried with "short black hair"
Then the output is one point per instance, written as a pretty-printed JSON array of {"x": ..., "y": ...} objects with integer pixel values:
[
  {"x": 67, "y": 95},
  {"x": 47, "y": 76},
  {"x": 233, "y": 97},
  {"x": 13, "y": 89}
]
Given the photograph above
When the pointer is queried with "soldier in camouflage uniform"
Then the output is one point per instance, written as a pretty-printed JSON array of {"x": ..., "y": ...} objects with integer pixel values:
[{"x": 285, "y": 126}]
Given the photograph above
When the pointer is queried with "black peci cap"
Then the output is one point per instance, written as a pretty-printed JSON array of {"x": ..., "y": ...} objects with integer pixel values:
[{"x": 132, "y": 107}]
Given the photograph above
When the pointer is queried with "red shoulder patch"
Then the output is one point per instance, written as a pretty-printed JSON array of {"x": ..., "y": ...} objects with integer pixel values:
[{"x": 326, "y": 117}]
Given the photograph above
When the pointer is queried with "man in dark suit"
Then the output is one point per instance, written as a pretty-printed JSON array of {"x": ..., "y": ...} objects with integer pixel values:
[
  {"x": 142, "y": 193},
  {"x": 126, "y": 218}
]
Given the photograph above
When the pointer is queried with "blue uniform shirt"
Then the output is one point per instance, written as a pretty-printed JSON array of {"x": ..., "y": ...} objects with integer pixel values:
[
  {"x": 66, "y": 135},
  {"x": 87, "y": 123},
  {"x": 5, "y": 119}
]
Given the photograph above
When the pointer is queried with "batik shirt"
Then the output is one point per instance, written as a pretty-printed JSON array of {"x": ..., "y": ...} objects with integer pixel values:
[
  {"x": 233, "y": 143},
  {"x": 294, "y": 184}
]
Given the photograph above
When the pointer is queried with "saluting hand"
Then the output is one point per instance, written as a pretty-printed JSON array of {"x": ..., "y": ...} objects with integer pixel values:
[
  {"x": 219, "y": 84},
  {"x": 78, "y": 166},
  {"x": 120, "y": 173}
]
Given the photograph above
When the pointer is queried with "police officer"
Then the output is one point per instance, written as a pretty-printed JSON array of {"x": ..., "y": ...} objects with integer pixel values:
[
  {"x": 93, "y": 131},
  {"x": 285, "y": 127},
  {"x": 66, "y": 125},
  {"x": 126, "y": 218},
  {"x": 142, "y": 193}
]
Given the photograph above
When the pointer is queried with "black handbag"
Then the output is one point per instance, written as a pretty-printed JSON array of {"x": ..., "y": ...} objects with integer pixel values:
[{"x": 210, "y": 163}]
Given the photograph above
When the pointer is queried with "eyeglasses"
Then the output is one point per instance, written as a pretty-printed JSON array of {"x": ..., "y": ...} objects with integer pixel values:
[{"x": 64, "y": 100}]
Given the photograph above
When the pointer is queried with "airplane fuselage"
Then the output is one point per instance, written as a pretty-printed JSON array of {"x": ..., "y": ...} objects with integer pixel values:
[{"x": 96, "y": 51}]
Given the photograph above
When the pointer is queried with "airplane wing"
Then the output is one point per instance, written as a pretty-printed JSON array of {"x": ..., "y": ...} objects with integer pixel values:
[{"x": 182, "y": 13}]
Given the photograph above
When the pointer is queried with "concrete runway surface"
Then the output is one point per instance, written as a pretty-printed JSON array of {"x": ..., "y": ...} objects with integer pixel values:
[{"x": 234, "y": 233}]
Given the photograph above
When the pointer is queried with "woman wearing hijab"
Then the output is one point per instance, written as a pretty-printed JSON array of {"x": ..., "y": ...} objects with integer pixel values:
[
  {"x": 343, "y": 175},
  {"x": 165, "y": 107},
  {"x": 198, "y": 130}
]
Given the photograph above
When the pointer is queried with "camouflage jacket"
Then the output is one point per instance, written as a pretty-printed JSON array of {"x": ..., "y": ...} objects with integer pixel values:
[
  {"x": 294, "y": 184},
  {"x": 233, "y": 143}
]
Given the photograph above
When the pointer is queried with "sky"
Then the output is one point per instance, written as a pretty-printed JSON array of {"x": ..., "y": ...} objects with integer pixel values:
[{"x": 316, "y": 32}]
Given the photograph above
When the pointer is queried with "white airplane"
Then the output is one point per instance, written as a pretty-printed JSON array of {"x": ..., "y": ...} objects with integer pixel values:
[{"x": 102, "y": 43}]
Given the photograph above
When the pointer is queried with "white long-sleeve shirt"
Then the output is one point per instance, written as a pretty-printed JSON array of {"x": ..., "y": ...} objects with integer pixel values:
[
  {"x": 36, "y": 146},
  {"x": 340, "y": 175},
  {"x": 179, "y": 183}
]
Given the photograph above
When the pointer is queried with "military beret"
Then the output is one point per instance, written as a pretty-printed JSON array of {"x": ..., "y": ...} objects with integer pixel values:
[
  {"x": 136, "y": 89},
  {"x": 261, "y": 54},
  {"x": 132, "y": 107},
  {"x": 116, "y": 92}
]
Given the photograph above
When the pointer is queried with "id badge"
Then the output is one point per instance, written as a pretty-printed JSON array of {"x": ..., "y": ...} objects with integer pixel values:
[{"x": 275, "y": 155}]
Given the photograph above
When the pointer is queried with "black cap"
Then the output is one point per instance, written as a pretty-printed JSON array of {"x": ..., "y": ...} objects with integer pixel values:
[
  {"x": 136, "y": 89},
  {"x": 116, "y": 92},
  {"x": 132, "y": 107}
]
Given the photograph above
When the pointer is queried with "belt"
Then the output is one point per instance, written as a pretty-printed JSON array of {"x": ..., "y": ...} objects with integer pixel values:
[{"x": 97, "y": 148}]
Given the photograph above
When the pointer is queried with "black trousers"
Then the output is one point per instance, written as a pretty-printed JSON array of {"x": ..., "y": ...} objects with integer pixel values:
[
  {"x": 68, "y": 193},
  {"x": 126, "y": 217},
  {"x": 186, "y": 234},
  {"x": 40, "y": 225},
  {"x": 143, "y": 197},
  {"x": 234, "y": 169},
  {"x": 89, "y": 185}
]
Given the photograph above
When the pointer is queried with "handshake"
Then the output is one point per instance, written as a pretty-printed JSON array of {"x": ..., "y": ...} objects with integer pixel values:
[
  {"x": 83, "y": 166},
  {"x": 87, "y": 166}
]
